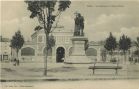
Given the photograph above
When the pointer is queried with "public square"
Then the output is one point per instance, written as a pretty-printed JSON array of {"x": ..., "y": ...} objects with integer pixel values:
[
  {"x": 61, "y": 71},
  {"x": 69, "y": 44}
]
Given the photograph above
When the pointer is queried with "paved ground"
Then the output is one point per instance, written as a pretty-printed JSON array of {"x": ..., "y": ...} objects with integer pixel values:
[{"x": 34, "y": 71}]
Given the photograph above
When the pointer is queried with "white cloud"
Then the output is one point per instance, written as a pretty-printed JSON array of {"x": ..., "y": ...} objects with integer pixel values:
[
  {"x": 25, "y": 24},
  {"x": 98, "y": 21},
  {"x": 131, "y": 32},
  {"x": 109, "y": 22},
  {"x": 117, "y": 24},
  {"x": 102, "y": 19},
  {"x": 9, "y": 27}
]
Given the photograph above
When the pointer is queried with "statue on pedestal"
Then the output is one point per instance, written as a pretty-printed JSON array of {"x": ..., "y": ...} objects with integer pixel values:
[
  {"x": 79, "y": 44},
  {"x": 79, "y": 25}
]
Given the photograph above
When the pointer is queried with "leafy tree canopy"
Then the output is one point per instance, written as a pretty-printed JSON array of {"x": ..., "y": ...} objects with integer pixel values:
[
  {"x": 124, "y": 43},
  {"x": 44, "y": 11},
  {"x": 110, "y": 43},
  {"x": 17, "y": 40}
]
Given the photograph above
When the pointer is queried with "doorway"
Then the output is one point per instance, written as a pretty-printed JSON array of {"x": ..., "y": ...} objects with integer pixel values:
[{"x": 60, "y": 54}]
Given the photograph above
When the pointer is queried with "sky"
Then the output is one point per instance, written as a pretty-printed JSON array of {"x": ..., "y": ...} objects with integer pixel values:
[{"x": 101, "y": 18}]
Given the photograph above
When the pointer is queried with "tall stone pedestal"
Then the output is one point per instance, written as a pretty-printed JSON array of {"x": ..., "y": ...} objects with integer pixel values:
[{"x": 78, "y": 55}]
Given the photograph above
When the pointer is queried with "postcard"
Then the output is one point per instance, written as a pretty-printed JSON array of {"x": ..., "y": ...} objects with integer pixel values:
[{"x": 69, "y": 44}]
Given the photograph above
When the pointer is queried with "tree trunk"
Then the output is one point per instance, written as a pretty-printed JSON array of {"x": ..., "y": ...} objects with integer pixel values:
[
  {"x": 125, "y": 57},
  {"x": 17, "y": 52},
  {"x": 118, "y": 56},
  {"x": 138, "y": 54},
  {"x": 111, "y": 54},
  {"x": 46, "y": 54},
  {"x": 47, "y": 31},
  {"x": 138, "y": 57}
]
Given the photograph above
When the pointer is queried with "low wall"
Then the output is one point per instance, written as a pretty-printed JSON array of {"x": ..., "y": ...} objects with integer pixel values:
[{"x": 35, "y": 59}]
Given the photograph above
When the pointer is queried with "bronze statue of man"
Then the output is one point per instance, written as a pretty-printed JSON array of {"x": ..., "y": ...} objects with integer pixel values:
[{"x": 79, "y": 25}]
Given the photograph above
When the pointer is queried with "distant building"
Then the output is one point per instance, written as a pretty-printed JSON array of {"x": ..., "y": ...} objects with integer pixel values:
[
  {"x": 5, "y": 50},
  {"x": 34, "y": 50}
]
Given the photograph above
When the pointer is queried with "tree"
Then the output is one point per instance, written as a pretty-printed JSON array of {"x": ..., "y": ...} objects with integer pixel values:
[
  {"x": 17, "y": 41},
  {"x": 37, "y": 28},
  {"x": 124, "y": 45},
  {"x": 137, "y": 45},
  {"x": 46, "y": 14},
  {"x": 110, "y": 44}
]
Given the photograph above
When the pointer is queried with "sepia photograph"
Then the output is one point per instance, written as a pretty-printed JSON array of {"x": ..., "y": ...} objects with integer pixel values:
[{"x": 69, "y": 44}]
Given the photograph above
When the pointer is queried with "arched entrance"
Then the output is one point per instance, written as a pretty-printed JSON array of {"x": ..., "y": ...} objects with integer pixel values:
[{"x": 60, "y": 54}]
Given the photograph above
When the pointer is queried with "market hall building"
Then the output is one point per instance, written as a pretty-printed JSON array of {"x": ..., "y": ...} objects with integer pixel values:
[{"x": 34, "y": 50}]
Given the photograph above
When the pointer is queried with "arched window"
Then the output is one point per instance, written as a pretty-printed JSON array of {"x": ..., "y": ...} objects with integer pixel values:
[{"x": 27, "y": 51}]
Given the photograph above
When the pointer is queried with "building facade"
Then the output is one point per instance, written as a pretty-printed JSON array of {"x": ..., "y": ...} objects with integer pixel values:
[
  {"x": 5, "y": 50},
  {"x": 34, "y": 50}
]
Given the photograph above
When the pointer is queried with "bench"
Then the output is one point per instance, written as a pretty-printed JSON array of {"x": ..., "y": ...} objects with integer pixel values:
[{"x": 112, "y": 66}]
